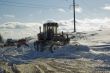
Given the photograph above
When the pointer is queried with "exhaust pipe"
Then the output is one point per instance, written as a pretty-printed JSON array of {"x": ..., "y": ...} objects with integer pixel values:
[{"x": 40, "y": 29}]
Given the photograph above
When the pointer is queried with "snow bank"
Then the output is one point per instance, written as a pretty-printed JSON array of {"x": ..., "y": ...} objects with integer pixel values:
[{"x": 24, "y": 54}]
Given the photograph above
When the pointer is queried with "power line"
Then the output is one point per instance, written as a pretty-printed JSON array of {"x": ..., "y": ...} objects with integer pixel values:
[{"x": 16, "y": 4}]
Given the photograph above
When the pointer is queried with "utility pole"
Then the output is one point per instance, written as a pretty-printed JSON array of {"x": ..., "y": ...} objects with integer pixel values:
[{"x": 74, "y": 15}]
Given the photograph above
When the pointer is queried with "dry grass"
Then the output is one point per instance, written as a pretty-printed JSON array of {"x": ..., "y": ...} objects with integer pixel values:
[{"x": 53, "y": 66}]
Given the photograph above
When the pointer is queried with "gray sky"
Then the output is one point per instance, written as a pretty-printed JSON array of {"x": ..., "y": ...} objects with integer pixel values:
[{"x": 41, "y": 10}]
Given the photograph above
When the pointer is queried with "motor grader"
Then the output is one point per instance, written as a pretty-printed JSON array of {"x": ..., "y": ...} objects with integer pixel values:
[{"x": 50, "y": 37}]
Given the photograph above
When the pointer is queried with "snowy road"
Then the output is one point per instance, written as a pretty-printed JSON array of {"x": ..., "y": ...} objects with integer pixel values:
[{"x": 92, "y": 55}]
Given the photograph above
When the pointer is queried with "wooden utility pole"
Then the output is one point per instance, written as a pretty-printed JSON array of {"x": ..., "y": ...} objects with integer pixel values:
[{"x": 74, "y": 15}]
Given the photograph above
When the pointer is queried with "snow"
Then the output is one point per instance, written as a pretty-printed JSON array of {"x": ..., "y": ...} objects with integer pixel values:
[
  {"x": 100, "y": 52},
  {"x": 22, "y": 54},
  {"x": 94, "y": 46},
  {"x": 11, "y": 29}
]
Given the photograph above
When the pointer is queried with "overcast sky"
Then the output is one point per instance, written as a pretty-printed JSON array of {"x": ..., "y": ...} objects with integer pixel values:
[{"x": 41, "y": 10}]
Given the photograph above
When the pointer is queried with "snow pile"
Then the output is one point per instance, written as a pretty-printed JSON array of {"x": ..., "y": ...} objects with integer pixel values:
[
  {"x": 70, "y": 51},
  {"x": 24, "y": 54}
]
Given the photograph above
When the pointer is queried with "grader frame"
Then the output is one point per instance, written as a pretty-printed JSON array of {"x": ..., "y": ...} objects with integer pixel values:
[{"x": 50, "y": 37}]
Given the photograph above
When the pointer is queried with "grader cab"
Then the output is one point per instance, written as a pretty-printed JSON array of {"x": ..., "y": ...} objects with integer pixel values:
[
  {"x": 49, "y": 31},
  {"x": 50, "y": 36}
]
